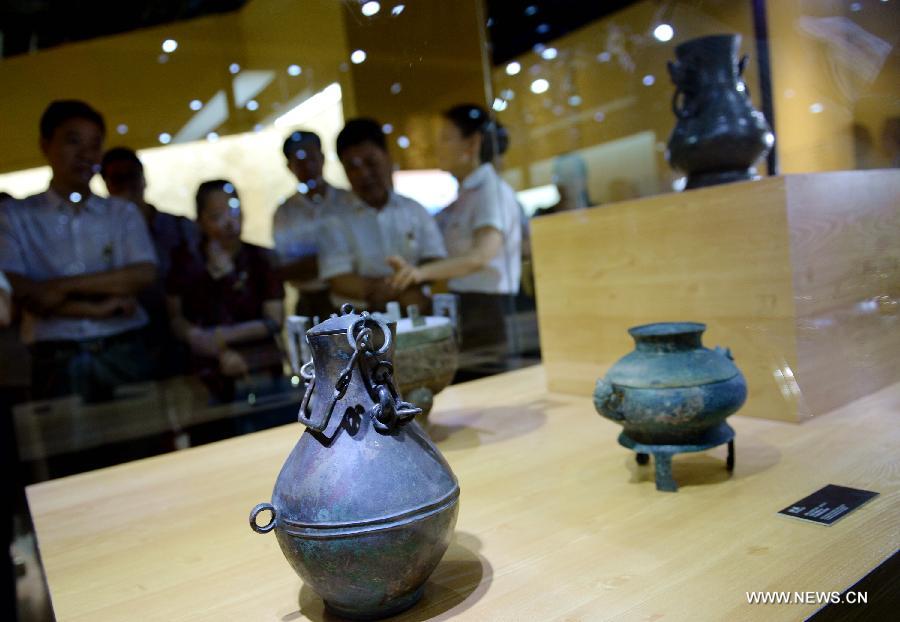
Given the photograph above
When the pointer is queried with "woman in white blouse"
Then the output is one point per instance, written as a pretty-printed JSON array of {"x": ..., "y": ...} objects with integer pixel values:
[{"x": 482, "y": 230}]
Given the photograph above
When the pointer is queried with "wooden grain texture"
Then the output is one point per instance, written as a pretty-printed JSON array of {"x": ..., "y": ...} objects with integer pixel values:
[
  {"x": 758, "y": 262},
  {"x": 712, "y": 256},
  {"x": 556, "y": 522},
  {"x": 845, "y": 237}
]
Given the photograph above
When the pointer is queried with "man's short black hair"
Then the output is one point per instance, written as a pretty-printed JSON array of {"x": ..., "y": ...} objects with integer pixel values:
[
  {"x": 119, "y": 154},
  {"x": 61, "y": 110},
  {"x": 358, "y": 131},
  {"x": 292, "y": 142},
  {"x": 208, "y": 187}
]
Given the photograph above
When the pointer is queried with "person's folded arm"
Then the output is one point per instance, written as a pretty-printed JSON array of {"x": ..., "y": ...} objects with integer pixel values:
[
  {"x": 108, "y": 307},
  {"x": 211, "y": 341},
  {"x": 38, "y": 297},
  {"x": 126, "y": 281},
  {"x": 273, "y": 318},
  {"x": 298, "y": 261},
  {"x": 202, "y": 341},
  {"x": 138, "y": 262},
  {"x": 45, "y": 297},
  {"x": 487, "y": 243}
]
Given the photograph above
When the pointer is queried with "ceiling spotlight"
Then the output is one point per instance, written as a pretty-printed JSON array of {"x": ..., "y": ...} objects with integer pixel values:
[
  {"x": 549, "y": 53},
  {"x": 539, "y": 86},
  {"x": 663, "y": 33}
]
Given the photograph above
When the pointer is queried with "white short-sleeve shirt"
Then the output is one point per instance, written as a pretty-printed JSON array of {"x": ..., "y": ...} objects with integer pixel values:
[
  {"x": 485, "y": 200},
  {"x": 360, "y": 238},
  {"x": 295, "y": 228},
  {"x": 44, "y": 237}
]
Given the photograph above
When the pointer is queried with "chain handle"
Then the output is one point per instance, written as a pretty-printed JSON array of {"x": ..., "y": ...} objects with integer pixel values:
[{"x": 389, "y": 411}]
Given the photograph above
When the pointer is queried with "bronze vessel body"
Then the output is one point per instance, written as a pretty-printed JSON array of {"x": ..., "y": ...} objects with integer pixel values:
[{"x": 365, "y": 504}]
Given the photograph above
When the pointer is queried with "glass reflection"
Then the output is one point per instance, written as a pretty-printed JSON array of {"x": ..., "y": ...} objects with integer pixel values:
[{"x": 582, "y": 107}]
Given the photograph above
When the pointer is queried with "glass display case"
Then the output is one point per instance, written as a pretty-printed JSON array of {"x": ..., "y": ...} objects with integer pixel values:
[{"x": 188, "y": 187}]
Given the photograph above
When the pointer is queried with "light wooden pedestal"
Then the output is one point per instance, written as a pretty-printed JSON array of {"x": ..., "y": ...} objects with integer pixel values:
[{"x": 799, "y": 275}]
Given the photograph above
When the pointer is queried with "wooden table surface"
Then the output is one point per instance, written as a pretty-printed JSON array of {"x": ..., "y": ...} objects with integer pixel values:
[{"x": 556, "y": 521}]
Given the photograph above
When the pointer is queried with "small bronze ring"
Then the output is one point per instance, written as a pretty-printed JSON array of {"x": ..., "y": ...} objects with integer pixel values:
[
  {"x": 262, "y": 507},
  {"x": 351, "y": 333}
]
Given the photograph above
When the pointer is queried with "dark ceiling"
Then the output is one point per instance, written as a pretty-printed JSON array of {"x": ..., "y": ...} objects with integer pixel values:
[
  {"x": 29, "y": 25},
  {"x": 514, "y": 26}
]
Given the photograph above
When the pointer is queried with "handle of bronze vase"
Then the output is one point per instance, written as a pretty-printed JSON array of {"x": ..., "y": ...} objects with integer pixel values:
[
  {"x": 726, "y": 352},
  {"x": 742, "y": 64},
  {"x": 608, "y": 400},
  {"x": 262, "y": 507},
  {"x": 677, "y": 74}
]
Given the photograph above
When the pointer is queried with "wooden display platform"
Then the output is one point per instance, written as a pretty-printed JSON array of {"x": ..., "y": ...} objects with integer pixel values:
[
  {"x": 556, "y": 522},
  {"x": 799, "y": 275}
]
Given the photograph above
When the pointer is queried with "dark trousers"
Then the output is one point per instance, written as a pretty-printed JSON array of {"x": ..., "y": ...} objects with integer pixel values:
[
  {"x": 483, "y": 319},
  {"x": 315, "y": 304},
  {"x": 92, "y": 368}
]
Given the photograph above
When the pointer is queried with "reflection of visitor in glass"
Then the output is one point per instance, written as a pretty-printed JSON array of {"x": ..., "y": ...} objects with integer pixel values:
[
  {"x": 378, "y": 223},
  {"x": 123, "y": 174},
  {"x": 295, "y": 225},
  {"x": 76, "y": 262},
  {"x": 482, "y": 230},
  {"x": 570, "y": 174},
  {"x": 226, "y": 300}
]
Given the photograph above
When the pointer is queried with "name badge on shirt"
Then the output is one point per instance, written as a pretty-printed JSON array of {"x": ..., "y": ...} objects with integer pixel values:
[{"x": 411, "y": 245}]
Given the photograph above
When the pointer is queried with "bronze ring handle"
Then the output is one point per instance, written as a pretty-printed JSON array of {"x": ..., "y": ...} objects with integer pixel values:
[
  {"x": 262, "y": 507},
  {"x": 351, "y": 333}
]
